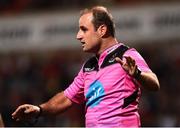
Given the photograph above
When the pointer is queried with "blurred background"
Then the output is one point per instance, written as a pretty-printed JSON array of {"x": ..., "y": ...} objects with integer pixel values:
[{"x": 39, "y": 54}]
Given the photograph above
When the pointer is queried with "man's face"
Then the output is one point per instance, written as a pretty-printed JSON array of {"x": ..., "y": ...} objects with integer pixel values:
[{"x": 87, "y": 35}]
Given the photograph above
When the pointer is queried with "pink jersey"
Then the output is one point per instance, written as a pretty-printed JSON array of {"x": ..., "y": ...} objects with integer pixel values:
[{"x": 110, "y": 93}]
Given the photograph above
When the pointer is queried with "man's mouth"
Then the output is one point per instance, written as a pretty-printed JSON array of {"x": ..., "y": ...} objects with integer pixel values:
[{"x": 83, "y": 44}]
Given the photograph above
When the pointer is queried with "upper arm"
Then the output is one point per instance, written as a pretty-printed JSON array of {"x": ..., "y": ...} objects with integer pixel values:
[{"x": 140, "y": 62}]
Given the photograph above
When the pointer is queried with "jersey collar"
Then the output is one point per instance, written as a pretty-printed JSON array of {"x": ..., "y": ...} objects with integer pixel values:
[{"x": 102, "y": 56}]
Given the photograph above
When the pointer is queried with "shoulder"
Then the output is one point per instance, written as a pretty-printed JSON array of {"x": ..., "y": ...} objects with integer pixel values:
[
  {"x": 133, "y": 53},
  {"x": 90, "y": 65},
  {"x": 121, "y": 50}
]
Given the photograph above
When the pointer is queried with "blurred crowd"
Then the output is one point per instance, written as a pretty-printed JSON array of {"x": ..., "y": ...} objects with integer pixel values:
[
  {"x": 9, "y": 7},
  {"x": 162, "y": 108},
  {"x": 35, "y": 77}
]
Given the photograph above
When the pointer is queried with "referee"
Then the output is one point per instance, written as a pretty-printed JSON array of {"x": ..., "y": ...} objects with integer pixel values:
[{"x": 109, "y": 83}]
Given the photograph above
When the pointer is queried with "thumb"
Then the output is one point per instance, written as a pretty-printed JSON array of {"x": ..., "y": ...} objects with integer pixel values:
[
  {"x": 119, "y": 60},
  {"x": 32, "y": 108}
]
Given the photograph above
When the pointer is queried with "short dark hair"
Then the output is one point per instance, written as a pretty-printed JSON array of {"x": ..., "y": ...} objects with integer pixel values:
[{"x": 101, "y": 16}]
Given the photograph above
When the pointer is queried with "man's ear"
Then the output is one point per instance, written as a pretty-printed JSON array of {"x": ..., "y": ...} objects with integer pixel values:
[{"x": 102, "y": 30}]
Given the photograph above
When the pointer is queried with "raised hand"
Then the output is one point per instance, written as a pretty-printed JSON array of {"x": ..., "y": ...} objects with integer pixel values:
[
  {"x": 26, "y": 112},
  {"x": 129, "y": 65}
]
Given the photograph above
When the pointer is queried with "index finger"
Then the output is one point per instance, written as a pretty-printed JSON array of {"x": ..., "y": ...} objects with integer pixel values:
[
  {"x": 18, "y": 111},
  {"x": 119, "y": 60},
  {"x": 130, "y": 60}
]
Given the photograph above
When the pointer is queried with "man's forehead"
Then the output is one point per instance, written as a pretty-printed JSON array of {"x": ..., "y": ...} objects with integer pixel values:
[{"x": 86, "y": 18}]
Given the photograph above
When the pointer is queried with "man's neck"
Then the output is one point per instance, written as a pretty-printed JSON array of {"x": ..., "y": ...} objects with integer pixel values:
[{"x": 107, "y": 43}]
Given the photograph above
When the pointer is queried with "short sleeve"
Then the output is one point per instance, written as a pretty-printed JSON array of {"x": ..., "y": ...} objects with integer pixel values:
[
  {"x": 140, "y": 62},
  {"x": 75, "y": 92}
]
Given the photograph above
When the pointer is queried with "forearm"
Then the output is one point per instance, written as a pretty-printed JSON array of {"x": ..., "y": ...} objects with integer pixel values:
[
  {"x": 149, "y": 81},
  {"x": 55, "y": 105}
]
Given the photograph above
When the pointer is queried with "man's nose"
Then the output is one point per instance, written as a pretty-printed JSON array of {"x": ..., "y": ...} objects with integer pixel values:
[{"x": 79, "y": 36}]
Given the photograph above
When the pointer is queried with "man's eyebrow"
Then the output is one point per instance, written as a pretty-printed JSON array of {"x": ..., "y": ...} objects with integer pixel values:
[{"x": 83, "y": 27}]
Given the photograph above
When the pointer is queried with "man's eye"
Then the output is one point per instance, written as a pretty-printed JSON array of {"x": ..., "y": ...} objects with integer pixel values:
[{"x": 84, "y": 29}]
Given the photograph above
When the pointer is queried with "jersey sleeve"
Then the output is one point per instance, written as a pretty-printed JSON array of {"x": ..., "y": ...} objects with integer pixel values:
[
  {"x": 140, "y": 62},
  {"x": 75, "y": 92}
]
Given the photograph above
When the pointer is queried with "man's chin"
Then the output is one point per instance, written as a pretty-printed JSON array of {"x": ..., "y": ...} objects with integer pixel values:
[{"x": 86, "y": 50}]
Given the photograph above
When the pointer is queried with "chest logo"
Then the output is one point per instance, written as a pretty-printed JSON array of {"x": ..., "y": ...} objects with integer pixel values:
[
  {"x": 95, "y": 94},
  {"x": 112, "y": 59}
]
